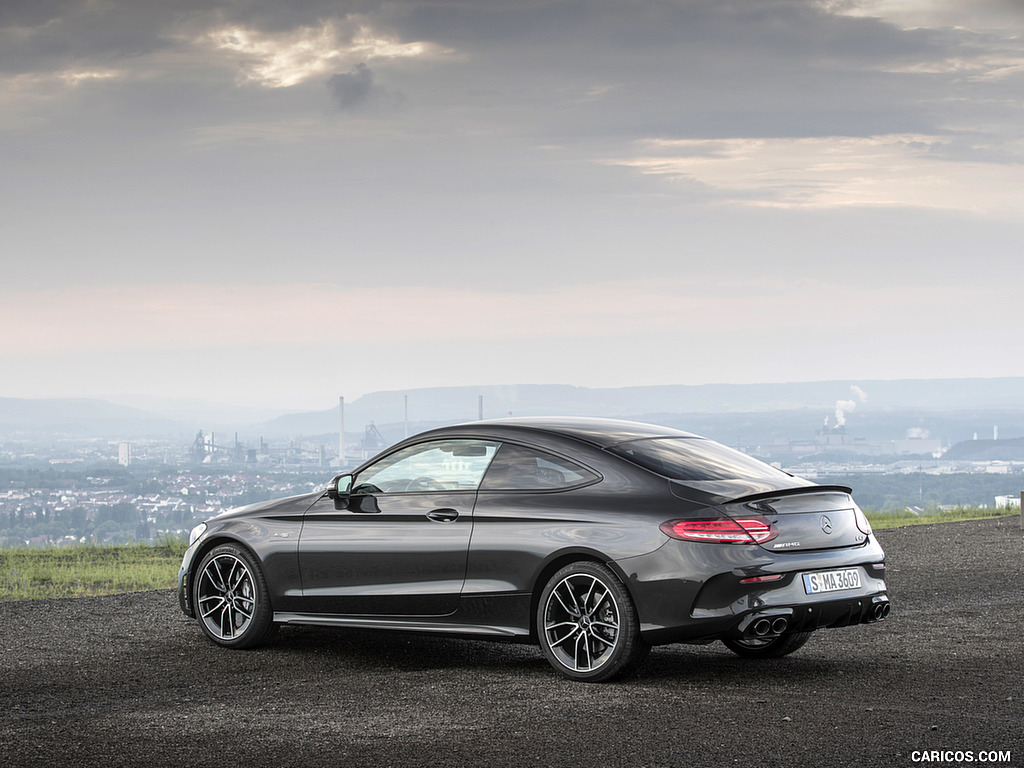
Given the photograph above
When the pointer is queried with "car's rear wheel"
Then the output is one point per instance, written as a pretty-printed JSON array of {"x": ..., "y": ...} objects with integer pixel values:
[
  {"x": 587, "y": 624},
  {"x": 231, "y": 598},
  {"x": 767, "y": 648}
]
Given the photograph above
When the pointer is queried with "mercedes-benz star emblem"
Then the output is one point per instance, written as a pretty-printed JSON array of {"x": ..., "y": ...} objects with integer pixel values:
[{"x": 826, "y": 524}]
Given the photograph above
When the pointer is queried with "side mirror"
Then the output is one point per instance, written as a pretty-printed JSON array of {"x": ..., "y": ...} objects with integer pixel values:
[{"x": 338, "y": 489}]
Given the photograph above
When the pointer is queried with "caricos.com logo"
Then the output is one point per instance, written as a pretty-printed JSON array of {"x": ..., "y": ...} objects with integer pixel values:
[{"x": 959, "y": 756}]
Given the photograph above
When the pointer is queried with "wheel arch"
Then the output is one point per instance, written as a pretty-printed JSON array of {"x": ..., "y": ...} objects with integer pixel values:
[
  {"x": 255, "y": 627},
  {"x": 559, "y": 561},
  {"x": 212, "y": 543}
]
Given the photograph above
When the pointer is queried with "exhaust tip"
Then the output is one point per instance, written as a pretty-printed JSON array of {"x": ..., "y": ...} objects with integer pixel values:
[
  {"x": 761, "y": 627},
  {"x": 779, "y": 625},
  {"x": 880, "y": 611}
]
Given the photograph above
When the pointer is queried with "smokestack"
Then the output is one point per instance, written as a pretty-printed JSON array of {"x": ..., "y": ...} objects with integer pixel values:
[
  {"x": 406, "y": 415},
  {"x": 480, "y": 407},
  {"x": 341, "y": 431}
]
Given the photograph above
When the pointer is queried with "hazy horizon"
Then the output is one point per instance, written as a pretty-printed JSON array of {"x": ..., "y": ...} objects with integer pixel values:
[
  {"x": 271, "y": 204},
  {"x": 831, "y": 399}
]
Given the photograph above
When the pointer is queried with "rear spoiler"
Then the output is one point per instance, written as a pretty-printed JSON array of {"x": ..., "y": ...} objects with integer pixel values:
[
  {"x": 740, "y": 491},
  {"x": 792, "y": 492}
]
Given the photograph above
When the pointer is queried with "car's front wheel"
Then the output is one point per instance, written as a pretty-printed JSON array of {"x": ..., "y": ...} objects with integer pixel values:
[
  {"x": 231, "y": 598},
  {"x": 587, "y": 624},
  {"x": 767, "y": 648}
]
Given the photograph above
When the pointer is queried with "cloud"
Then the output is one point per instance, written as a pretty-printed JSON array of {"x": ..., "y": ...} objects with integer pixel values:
[
  {"x": 103, "y": 319},
  {"x": 353, "y": 89},
  {"x": 690, "y": 69},
  {"x": 915, "y": 14},
  {"x": 984, "y": 67},
  {"x": 891, "y": 171},
  {"x": 287, "y": 340},
  {"x": 113, "y": 318},
  {"x": 283, "y": 59}
]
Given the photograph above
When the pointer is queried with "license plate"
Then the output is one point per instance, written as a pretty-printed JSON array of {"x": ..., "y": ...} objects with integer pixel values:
[{"x": 831, "y": 581}]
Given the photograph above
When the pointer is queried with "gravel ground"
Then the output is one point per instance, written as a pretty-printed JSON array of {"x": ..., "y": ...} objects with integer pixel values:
[{"x": 128, "y": 681}]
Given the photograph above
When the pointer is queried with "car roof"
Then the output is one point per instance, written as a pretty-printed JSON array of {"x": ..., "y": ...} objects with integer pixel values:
[{"x": 596, "y": 431}]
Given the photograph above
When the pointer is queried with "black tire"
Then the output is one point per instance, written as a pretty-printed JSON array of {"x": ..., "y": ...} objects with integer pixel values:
[
  {"x": 587, "y": 625},
  {"x": 231, "y": 598},
  {"x": 770, "y": 648}
]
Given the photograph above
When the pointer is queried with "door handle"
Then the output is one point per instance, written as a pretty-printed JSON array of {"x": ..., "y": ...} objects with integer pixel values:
[{"x": 445, "y": 515}]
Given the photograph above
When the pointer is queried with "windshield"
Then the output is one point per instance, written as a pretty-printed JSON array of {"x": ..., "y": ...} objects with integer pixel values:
[{"x": 694, "y": 459}]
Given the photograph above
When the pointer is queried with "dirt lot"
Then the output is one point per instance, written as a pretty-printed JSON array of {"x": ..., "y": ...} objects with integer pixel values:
[{"x": 128, "y": 681}]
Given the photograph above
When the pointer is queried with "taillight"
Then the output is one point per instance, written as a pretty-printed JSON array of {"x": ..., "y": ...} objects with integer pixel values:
[
  {"x": 740, "y": 530},
  {"x": 862, "y": 521}
]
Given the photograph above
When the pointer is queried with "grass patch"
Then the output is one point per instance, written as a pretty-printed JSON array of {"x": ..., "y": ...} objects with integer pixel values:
[
  {"x": 891, "y": 518},
  {"x": 34, "y": 574}
]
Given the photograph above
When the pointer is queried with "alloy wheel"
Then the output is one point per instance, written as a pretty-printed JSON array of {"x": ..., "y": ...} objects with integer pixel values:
[
  {"x": 581, "y": 622},
  {"x": 226, "y": 596}
]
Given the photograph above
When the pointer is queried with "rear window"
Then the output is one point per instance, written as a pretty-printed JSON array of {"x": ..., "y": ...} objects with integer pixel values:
[{"x": 694, "y": 459}]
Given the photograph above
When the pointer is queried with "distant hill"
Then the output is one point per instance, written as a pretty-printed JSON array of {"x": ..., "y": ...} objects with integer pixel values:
[
  {"x": 79, "y": 417},
  {"x": 949, "y": 409},
  {"x": 451, "y": 404},
  {"x": 987, "y": 450}
]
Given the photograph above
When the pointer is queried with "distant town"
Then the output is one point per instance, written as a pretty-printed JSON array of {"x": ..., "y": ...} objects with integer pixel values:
[
  {"x": 93, "y": 490},
  {"x": 89, "y": 471}
]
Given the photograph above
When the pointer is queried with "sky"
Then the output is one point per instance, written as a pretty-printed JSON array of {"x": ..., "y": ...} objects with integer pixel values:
[{"x": 273, "y": 203}]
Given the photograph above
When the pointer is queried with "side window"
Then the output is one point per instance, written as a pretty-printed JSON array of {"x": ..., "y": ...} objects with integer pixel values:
[
  {"x": 516, "y": 468},
  {"x": 440, "y": 465}
]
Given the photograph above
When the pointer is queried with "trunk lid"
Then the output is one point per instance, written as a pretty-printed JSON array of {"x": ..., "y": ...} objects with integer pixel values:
[{"x": 806, "y": 519}]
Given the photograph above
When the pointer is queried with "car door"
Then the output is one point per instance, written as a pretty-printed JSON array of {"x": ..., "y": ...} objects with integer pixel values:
[{"x": 399, "y": 547}]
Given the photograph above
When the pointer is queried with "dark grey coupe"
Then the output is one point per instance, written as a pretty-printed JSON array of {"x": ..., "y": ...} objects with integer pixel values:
[{"x": 594, "y": 538}]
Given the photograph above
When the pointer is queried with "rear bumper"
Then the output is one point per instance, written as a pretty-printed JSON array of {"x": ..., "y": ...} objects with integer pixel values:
[
  {"x": 766, "y": 621},
  {"x": 725, "y": 596},
  {"x": 808, "y": 618},
  {"x": 715, "y": 603}
]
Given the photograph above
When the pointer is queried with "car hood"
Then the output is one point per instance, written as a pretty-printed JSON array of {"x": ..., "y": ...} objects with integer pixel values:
[{"x": 290, "y": 504}]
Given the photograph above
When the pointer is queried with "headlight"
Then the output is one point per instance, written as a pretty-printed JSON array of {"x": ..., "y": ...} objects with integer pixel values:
[{"x": 198, "y": 531}]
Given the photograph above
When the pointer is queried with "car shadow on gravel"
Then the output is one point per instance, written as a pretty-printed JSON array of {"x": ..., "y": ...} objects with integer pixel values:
[{"x": 389, "y": 653}]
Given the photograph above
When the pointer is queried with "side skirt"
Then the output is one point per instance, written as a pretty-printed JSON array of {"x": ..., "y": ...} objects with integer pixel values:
[{"x": 404, "y": 625}]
